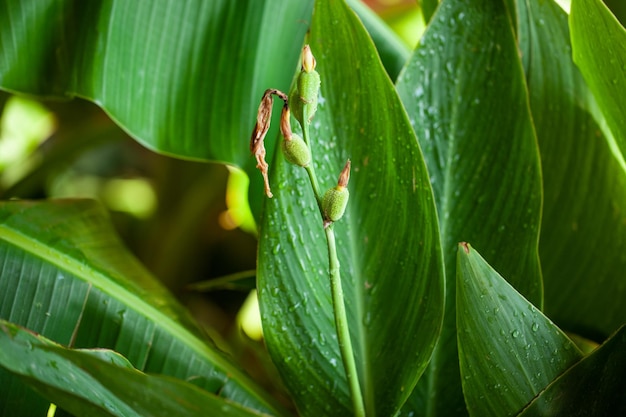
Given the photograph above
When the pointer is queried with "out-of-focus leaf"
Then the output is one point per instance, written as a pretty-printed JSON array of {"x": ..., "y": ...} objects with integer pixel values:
[
  {"x": 101, "y": 382},
  {"x": 182, "y": 77},
  {"x": 508, "y": 350},
  {"x": 592, "y": 387},
  {"x": 599, "y": 50},
  {"x": 465, "y": 94},
  {"x": 428, "y": 8},
  {"x": 583, "y": 235},
  {"x": 389, "y": 283},
  {"x": 65, "y": 275},
  {"x": 392, "y": 51},
  {"x": 242, "y": 281}
]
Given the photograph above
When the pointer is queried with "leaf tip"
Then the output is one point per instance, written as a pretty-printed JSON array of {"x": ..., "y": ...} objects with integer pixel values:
[{"x": 465, "y": 246}]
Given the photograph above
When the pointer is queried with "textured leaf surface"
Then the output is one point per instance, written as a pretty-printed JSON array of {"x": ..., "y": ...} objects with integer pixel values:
[
  {"x": 182, "y": 77},
  {"x": 599, "y": 50},
  {"x": 102, "y": 383},
  {"x": 465, "y": 95},
  {"x": 66, "y": 276},
  {"x": 583, "y": 235},
  {"x": 592, "y": 387},
  {"x": 508, "y": 350},
  {"x": 390, "y": 261}
]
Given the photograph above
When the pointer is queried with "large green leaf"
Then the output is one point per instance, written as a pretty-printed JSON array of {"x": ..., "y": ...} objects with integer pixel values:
[
  {"x": 66, "y": 275},
  {"x": 583, "y": 235},
  {"x": 387, "y": 241},
  {"x": 508, "y": 350},
  {"x": 181, "y": 77},
  {"x": 592, "y": 387},
  {"x": 465, "y": 94},
  {"x": 101, "y": 382},
  {"x": 599, "y": 50}
]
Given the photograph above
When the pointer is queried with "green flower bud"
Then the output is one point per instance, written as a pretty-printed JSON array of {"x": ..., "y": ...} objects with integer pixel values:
[
  {"x": 335, "y": 200},
  {"x": 296, "y": 151},
  {"x": 295, "y": 105},
  {"x": 334, "y": 203},
  {"x": 308, "y": 90}
]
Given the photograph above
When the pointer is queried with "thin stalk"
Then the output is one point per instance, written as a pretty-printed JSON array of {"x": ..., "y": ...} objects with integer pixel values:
[
  {"x": 341, "y": 321},
  {"x": 336, "y": 289}
]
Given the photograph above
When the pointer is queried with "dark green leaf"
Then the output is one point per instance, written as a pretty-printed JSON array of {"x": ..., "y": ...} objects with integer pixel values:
[
  {"x": 389, "y": 283},
  {"x": 508, "y": 350},
  {"x": 101, "y": 382},
  {"x": 599, "y": 50},
  {"x": 583, "y": 235},
  {"x": 592, "y": 387},
  {"x": 182, "y": 77},
  {"x": 428, "y": 8},
  {"x": 66, "y": 275},
  {"x": 465, "y": 94}
]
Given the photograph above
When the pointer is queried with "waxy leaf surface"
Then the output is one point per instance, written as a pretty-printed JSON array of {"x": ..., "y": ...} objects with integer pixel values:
[
  {"x": 466, "y": 98},
  {"x": 388, "y": 240},
  {"x": 508, "y": 350},
  {"x": 583, "y": 233}
]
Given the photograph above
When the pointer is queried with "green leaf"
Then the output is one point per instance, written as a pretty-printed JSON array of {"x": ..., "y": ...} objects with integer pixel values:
[
  {"x": 599, "y": 50},
  {"x": 67, "y": 276},
  {"x": 465, "y": 94},
  {"x": 393, "y": 53},
  {"x": 101, "y": 382},
  {"x": 592, "y": 387},
  {"x": 387, "y": 241},
  {"x": 583, "y": 235},
  {"x": 183, "y": 78},
  {"x": 508, "y": 350},
  {"x": 428, "y": 8}
]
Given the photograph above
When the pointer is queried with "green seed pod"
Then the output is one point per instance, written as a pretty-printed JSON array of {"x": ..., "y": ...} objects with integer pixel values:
[
  {"x": 309, "y": 88},
  {"x": 295, "y": 105},
  {"x": 296, "y": 151},
  {"x": 334, "y": 203}
]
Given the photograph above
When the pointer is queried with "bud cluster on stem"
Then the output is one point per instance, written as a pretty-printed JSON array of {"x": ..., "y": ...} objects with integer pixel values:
[{"x": 302, "y": 103}]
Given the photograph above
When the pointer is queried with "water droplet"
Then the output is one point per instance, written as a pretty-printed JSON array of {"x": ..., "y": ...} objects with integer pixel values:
[
  {"x": 515, "y": 333},
  {"x": 535, "y": 327}
]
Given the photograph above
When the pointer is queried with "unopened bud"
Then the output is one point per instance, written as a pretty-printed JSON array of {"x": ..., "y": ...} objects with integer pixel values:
[
  {"x": 335, "y": 200},
  {"x": 308, "y": 60},
  {"x": 296, "y": 151},
  {"x": 308, "y": 84},
  {"x": 309, "y": 88}
]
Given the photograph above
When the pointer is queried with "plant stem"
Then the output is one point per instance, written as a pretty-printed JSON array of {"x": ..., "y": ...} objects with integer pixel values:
[
  {"x": 310, "y": 169},
  {"x": 341, "y": 321},
  {"x": 336, "y": 289}
]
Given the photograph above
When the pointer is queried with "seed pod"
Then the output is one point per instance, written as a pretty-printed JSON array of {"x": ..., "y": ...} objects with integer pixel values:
[
  {"x": 335, "y": 200},
  {"x": 295, "y": 105},
  {"x": 296, "y": 151},
  {"x": 334, "y": 203},
  {"x": 308, "y": 89}
]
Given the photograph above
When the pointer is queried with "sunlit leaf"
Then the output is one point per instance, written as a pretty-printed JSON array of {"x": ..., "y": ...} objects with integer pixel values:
[
  {"x": 390, "y": 283},
  {"x": 599, "y": 50},
  {"x": 182, "y": 77}
]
